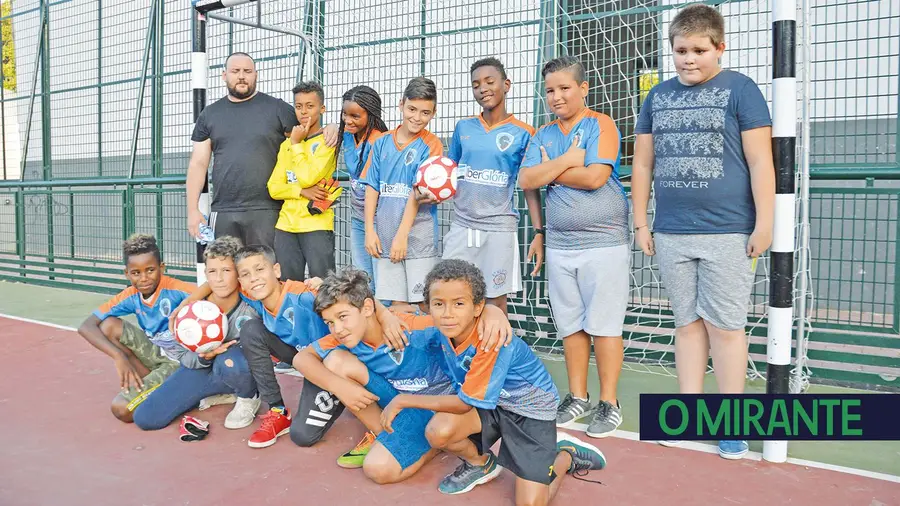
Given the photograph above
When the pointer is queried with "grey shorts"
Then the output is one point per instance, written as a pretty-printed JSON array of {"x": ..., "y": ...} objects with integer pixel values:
[
  {"x": 589, "y": 289},
  {"x": 707, "y": 276},
  {"x": 403, "y": 281},
  {"x": 495, "y": 253}
]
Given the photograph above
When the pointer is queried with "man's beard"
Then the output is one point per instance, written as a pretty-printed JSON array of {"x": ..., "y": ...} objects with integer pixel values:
[{"x": 239, "y": 95}]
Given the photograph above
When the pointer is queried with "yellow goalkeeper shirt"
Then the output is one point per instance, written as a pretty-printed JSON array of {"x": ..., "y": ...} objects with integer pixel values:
[{"x": 299, "y": 166}]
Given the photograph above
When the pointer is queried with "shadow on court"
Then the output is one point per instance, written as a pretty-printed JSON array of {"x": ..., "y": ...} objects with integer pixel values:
[{"x": 60, "y": 445}]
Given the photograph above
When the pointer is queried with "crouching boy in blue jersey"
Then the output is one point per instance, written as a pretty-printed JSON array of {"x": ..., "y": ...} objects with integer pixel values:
[{"x": 506, "y": 394}]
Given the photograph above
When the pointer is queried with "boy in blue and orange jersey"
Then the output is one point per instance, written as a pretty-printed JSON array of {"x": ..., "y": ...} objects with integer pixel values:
[
  {"x": 288, "y": 324},
  {"x": 588, "y": 251},
  {"x": 504, "y": 394},
  {"x": 394, "y": 218},
  {"x": 489, "y": 149},
  {"x": 146, "y": 354},
  {"x": 365, "y": 373}
]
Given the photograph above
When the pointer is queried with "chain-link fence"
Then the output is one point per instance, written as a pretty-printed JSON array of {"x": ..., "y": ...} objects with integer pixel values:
[{"x": 97, "y": 120}]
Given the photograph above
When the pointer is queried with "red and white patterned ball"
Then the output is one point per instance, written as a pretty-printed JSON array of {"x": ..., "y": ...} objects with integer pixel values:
[
  {"x": 437, "y": 176},
  {"x": 201, "y": 326}
]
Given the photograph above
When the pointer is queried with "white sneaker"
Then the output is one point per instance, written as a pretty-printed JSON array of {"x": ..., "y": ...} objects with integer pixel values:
[
  {"x": 671, "y": 443},
  {"x": 243, "y": 413},
  {"x": 215, "y": 400}
]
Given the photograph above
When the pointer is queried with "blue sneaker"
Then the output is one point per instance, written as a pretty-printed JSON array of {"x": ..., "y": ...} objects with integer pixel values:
[
  {"x": 733, "y": 450},
  {"x": 466, "y": 476},
  {"x": 585, "y": 457}
]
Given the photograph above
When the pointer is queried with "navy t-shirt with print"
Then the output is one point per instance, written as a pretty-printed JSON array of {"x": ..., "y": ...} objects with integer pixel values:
[{"x": 701, "y": 177}]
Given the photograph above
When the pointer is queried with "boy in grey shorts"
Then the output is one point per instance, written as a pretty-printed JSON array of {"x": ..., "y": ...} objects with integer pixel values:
[
  {"x": 588, "y": 255},
  {"x": 704, "y": 138}
]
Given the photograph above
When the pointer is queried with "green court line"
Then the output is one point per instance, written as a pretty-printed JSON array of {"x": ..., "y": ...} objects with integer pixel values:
[{"x": 70, "y": 307}]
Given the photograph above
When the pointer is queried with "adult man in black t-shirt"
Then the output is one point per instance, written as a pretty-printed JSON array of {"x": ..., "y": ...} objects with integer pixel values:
[{"x": 244, "y": 130}]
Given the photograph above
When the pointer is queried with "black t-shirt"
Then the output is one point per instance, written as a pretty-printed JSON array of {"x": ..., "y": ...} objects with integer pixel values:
[{"x": 245, "y": 141}]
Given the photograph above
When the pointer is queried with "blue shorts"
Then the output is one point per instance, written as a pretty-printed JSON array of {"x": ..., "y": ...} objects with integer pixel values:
[{"x": 407, "y": 443}]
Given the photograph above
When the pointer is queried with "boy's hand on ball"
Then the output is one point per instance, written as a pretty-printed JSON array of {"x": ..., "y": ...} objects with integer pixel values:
[
  {"x": 424, "y": 198},
  {"x": 209, "y": 355}
]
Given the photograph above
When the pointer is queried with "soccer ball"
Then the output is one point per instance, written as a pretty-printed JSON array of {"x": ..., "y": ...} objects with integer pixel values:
[
  {"x": 201, "y": 326},
  {"x": 437, "y": 177}
]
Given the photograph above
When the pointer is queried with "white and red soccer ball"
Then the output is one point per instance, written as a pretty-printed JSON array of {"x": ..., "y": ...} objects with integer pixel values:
[
  {"x": 201, "y": 326},
  {"x": 437, "y": 177}
]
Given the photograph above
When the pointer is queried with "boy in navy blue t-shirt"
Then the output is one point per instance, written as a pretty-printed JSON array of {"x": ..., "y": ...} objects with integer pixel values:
[{"x": 704, "y": 140}]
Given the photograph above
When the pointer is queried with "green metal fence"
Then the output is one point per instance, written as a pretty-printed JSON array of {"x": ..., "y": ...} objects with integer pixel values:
[{"x": 97, "y": 129}]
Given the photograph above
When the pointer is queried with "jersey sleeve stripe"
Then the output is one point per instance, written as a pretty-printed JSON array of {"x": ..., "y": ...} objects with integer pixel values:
[
  {"x": 179, "y": 285},
  {"x": 416, "y": 322},
  {"x": 479, "y": 376},
  {"x": 435, "y": 147},
  {"x": 116, "y": 300},
  {"x": 525, "y": 126}
]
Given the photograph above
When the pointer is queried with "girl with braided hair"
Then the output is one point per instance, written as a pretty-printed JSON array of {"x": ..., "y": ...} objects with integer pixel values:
[{"x": 360, "y": 126}]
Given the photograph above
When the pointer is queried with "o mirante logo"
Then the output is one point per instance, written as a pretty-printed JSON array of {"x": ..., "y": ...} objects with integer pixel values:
[{"x": 782, "y": 417}]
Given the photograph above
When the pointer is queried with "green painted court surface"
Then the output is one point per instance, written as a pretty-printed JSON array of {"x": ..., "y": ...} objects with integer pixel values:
[{"x": 69, "y": 308}]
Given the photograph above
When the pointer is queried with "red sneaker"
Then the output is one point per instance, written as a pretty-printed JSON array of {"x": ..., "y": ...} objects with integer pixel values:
[{"x": 276, "y": 422}]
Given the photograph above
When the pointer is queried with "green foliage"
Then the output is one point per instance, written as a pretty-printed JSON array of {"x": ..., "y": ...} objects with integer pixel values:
[{"x": 9, "y": 48}]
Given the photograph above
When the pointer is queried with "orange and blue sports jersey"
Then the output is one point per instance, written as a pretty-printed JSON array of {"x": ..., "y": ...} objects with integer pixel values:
[
  {"x": 295, "y": 321},
  {"x": 153, "y": 313},
  {"x": 583, "y": 219},
  {"x": 417, "y": 369},
  {"x": 514, "y": 378},
  {"x": 391, "y": 170},
  {"x": 489, "y": 159},
  {"x": 352, "y": 152}
]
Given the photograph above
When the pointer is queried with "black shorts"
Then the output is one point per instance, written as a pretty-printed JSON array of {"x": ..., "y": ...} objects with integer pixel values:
[
  {"x": 528, "y": 448},
  {"x": 296, "y": 252},
  {"x": 251, "y": 227}
]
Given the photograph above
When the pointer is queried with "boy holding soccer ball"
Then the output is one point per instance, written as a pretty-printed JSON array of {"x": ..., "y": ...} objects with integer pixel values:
[
  {"x": 489, "y": 149},
  {"x": 145, "y": 354},
  {"x": 223, "y": 370},
  {"x": 401, "y": 234}
]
